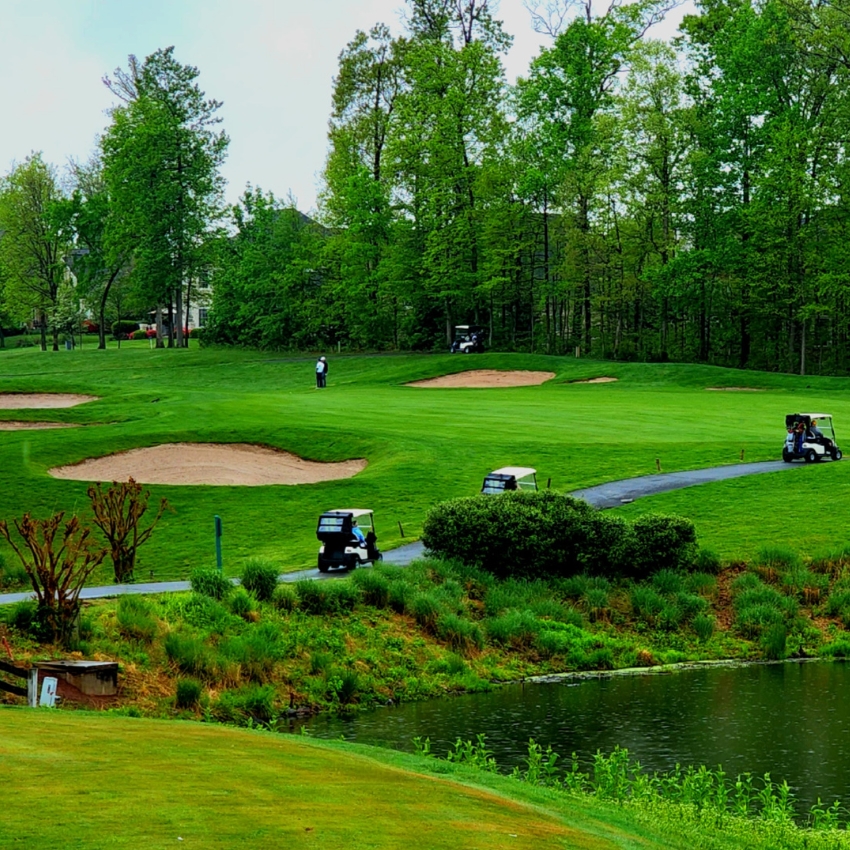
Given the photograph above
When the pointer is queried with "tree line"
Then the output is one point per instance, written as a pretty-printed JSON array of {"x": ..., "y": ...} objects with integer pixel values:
[{"x": 626, "y": 198}]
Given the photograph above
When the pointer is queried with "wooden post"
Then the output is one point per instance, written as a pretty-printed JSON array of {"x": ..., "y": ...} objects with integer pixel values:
[{"x": 32, "y": 687}]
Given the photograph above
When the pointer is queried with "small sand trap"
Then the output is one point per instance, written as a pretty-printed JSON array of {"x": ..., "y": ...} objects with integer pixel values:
[
  {"x": 41, "y": 401},
  {"x": 596, "y": 381},
  {"x": 486, "y": 378},
  {"x": 734, "y": 389},
  {"x": 11, "y": 425},
  {"x": 208, "y": 463}
]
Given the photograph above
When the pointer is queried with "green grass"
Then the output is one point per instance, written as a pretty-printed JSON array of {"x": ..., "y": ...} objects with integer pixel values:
[
  {"x": 422, "y": 445},
  {"x": 88, "y": 781}
]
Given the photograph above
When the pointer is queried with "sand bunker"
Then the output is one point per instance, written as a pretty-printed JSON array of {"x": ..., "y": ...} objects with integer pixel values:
[
  {"x": 41, "y": 401},
  {"x": 208, "y": 463},
  {"x": 596, "y": 381},
  {"x": 11, "y": 425},
  {"x": 734, "y": 389},
  {"x": 486, "y": 378}
]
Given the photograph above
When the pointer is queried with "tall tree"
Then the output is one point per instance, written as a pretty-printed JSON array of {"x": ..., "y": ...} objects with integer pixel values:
[
  {"x": 162, "y": 156},
  {"x": 35, "y": 239}
]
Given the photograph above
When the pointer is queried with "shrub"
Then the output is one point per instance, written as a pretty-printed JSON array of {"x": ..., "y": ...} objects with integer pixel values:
[
  {"x": 663, "y": 542},
  {"x": 755, "y": 619},
  {"x": 425, "y": 609},
  {"x": 400, "y": 596},
  {"x": 689, "y": 604},
  {"x": 774, "y": 641},
  {"x": 210, "y": 582},
  {"x": 374, "y": 587},
  {"x": 203, "y": 612},
  {"x": 647, "y": 603},
  {"x": 122, "y": 328},
  {"x": 837, "y": 649},
  {"x": 597, "y": 603},
  {"x": 601, "y": 659},
  {"x": 702, "y": 583},
  {"x": 190, "y": 654},
  {"x": 703, "y": 626},
  {"x": 459, "y": 633},
  {"x": 135, "y": 619},
  {"x": 838, "y": 602},
  {"x": 244, "y": 706},
  {"x": 188, "y": 693},
  {"x": 572, "y": 587},
  {"x": 778, "y": 558},
  {"x": 285, "y": 598},
  {"x": 345, "y": 686},
  {"x": 22, "y": 615},
  {"x": 667, "y": 581},
  {"x": 670, "y": 617},
  {"x": 514, "y": 628},
  {"x": 242, "y": 604},
  {"x": 140, "y": 334},
  {"x": 255, "y": 652},
  {"x": 707, "y": 561},
  {"x": 260, "y": 578},
  {"x": 326, "y": 597},
  {"x": 450, "y": 665},
  {"x": 806, "y": 586}
]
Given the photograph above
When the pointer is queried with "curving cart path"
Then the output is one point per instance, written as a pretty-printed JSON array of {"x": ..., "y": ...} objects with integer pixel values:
[{"x": 602, "y": 496}]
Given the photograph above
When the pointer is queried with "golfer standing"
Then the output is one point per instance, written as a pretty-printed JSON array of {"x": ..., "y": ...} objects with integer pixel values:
[{"x": 321, "y": 373}]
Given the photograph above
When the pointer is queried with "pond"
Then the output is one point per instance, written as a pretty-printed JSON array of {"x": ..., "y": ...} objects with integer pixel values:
[{"x": 790, "y": 720}]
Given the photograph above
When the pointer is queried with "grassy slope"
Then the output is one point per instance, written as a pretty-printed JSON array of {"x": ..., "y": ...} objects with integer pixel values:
[
  {"x": 423, "y": 445},
  {"x": 89, "y": 781}
]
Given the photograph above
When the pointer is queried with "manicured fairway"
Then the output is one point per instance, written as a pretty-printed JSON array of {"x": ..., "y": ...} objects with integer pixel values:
[
  {"x": 422, "y": 445},
  {"x": 86, "y": 781}
]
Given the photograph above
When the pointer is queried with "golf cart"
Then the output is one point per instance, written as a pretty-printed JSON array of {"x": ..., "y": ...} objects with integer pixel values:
[
  {"x": 469, "y": 339},
  {"x": 510, "y": 478},
  {"x": 810, "y": 437},
  {"x": 341, "y": 546}
]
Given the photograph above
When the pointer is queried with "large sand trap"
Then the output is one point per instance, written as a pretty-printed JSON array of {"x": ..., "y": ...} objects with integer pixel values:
[
  {"x": 208, "y": 463},
  {"x": 595, "y": 381},
  {"x": 12, "y": 425},
  {"x": 485, "y": 378},
  {"x": 41, "y": 401}
]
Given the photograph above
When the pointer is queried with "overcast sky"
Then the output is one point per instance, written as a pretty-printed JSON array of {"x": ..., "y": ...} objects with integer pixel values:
[{"x": 270, "y": 61}]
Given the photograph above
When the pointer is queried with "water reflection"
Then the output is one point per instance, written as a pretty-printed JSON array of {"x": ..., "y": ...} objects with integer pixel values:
[{"x": 789, "y": 720}]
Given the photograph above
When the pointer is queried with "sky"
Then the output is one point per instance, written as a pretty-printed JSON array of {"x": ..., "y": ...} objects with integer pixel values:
[{"x": 271, "y": 62}]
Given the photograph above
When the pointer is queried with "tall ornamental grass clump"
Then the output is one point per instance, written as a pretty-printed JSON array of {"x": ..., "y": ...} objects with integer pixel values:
[
  {"x": 210, "y": 582},
  {"x": 260, "y": 578},
  {"x": 546, "y": 534}
]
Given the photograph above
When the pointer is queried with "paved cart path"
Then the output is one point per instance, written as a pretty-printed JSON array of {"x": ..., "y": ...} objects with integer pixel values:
[{"x": 602, "y": 496}]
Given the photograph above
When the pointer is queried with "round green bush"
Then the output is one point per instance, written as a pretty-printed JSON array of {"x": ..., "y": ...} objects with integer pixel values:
[
  {"x": 241, "y": 603},
  {"x": 260, "y": 578}
]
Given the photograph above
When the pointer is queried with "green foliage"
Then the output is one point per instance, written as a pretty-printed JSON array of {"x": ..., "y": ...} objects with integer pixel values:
[
  {"x": 514, "y": 628},
  {"x": 242, "y": 604},
  {"x": 774, "y": 640},
  {"x": 780, "y": 558},
  {"x": 255, "y": 651},
  {"x": 188, "y": 693},
  {"x": 135, "y": 619},
  {"x": 326, "y": 597},
  {"x": 548, "y": 534},
  {"x": 210, "y": 582},
  {"x": 285, "y": 598},
  {"x": 260, "y": 578},
  {"x": 703, "y": 626},
  {"x": 374, "y": 587},
  {"x": 707, "y": 561},
  {"x": 246, "y": 706},
  {"x": 203, "y": 612},
  {"x": 190, "y": 655},
  {"x": 425, "y": 609}
]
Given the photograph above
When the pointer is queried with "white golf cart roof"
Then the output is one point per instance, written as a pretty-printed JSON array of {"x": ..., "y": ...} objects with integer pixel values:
[
  {"x": 817, "y": 415},
  {"x": 355, "y": 512},
  {"x": 516, "y": 471}
]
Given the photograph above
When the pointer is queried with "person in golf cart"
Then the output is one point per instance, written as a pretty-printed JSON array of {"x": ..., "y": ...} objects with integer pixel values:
[
  {"x": 809, "y": 437},
  {"x": 344, "y": 543}
]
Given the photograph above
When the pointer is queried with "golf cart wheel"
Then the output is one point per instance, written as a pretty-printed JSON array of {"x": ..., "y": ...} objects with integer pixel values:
[
  {"x": 352, "y": 562},
  {"x": 787, "y": 456},
  {"x": 323, "y": 567},
  {"x": 812, "y": 456},
  {"x": 836, "y": 454}
]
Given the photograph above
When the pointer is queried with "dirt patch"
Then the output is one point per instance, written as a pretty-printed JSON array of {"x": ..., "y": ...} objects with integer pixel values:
[
  {"x": 208, "y": 463},
  {"x": 486, "y": 379},
  {"x": 12, "y": 425},
  {"x": 602, "y": 380},
  {"x": 42, "y": 401},
  {"x": 734, "y": 390}
]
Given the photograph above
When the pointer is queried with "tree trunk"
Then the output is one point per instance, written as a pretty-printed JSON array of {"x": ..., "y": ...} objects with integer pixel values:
[
  {"x": 178, "y": 302},
  {"x": 159, "y": 342}
]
